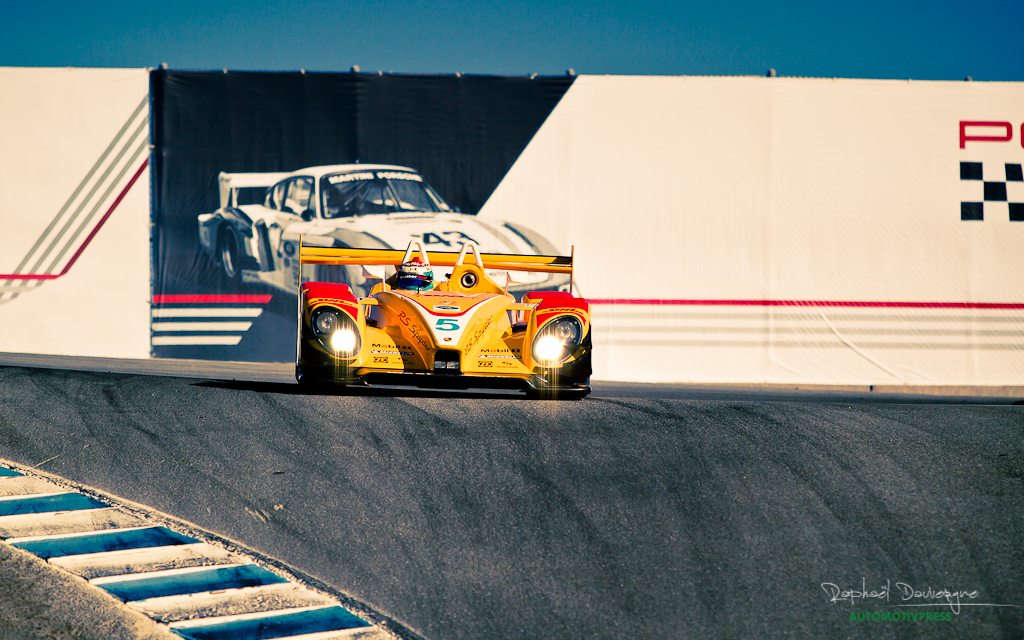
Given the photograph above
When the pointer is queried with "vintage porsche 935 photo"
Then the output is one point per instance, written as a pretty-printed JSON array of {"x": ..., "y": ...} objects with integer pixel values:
[
  {"x": 254, "y": 235},
  {"x": 460, "y": 330}
]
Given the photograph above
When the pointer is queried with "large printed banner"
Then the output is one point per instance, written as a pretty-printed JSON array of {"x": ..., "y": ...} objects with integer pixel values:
[
  {"x": 787, "y": 230},
  {"x": 74, "y": 246},
  {"x": 726, "y": 229}
]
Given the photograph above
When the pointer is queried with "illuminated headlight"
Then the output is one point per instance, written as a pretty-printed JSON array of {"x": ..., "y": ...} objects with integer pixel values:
[
  {"x": 344, "y": 340},
  {"x": 548, "y": 349},
  {"x": 335, "y": 330},
  {"x": 557, "y": 341}
]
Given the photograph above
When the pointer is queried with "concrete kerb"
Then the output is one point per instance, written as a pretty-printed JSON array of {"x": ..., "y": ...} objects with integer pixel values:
[
  {"x": 48, "y": 590},
  {"x": 39, "y": 600}
]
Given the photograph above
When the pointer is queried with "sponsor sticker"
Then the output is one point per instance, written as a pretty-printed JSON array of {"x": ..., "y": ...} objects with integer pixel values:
[
  {"x": 413, "y": 329},
  {"x": 398, "y": 175},
  {"x": 350, "y": 177},
  {"x": 502, "y": 357},
  {"x": 446, "y": 307}
]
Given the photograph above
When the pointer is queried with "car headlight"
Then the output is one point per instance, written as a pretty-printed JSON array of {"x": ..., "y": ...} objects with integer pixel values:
[
  {"x": 548, "y": 349},
  {"x": 557, "y": 341},
  {"x": 326, "y": 322},
  {"x": 344, "y": 340},
  {"x": 336, "y": 331}
]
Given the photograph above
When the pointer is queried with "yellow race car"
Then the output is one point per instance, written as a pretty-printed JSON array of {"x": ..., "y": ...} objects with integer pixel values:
[{"x": 465, "y": 331}]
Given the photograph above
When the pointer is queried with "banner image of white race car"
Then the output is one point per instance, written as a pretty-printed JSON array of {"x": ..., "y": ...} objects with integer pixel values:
[{"x": 254, "y": 236}]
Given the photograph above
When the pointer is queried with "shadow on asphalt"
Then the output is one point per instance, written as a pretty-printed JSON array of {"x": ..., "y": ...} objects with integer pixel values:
[{"x": 369, "y": 392}]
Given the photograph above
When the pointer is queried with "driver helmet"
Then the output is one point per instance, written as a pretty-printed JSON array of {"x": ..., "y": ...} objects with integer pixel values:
[{"x": 415, "y": 274}]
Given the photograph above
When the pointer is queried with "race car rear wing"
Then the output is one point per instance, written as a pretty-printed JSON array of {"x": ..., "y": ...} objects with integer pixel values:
[
  {"x": 395, "y": 257},
  {"x": 230, "y": 182}
]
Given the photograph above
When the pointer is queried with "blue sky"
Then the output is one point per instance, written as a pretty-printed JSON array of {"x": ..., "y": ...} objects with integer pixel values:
[{"x": 939, "y": 40}]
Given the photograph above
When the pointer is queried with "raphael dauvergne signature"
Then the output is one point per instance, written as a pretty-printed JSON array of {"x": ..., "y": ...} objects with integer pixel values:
[{"x": 902, "y": 594}]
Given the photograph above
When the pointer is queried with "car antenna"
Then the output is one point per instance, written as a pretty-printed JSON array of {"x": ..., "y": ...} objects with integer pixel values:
[{"x": 572, "y": 256}]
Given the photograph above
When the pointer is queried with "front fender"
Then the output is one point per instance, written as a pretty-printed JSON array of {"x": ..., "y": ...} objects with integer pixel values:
[
  {"x": 313, "y": 359},
  {"x": 238, "y": 219},
  {"x": 209, "y": 230}
]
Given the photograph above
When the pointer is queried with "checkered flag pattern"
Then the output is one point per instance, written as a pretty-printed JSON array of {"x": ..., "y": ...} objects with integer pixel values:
[{"x": 996, "y": 196}]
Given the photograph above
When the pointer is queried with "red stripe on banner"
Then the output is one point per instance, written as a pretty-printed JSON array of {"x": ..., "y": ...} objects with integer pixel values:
[
  {"x": 808, "y": 303},
  {"x": 88, "y": 239},
  {"x": 197, "y": 299}
]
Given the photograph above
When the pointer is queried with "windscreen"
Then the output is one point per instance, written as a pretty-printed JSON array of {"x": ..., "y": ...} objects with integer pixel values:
[{"x": 368, "y": 192}]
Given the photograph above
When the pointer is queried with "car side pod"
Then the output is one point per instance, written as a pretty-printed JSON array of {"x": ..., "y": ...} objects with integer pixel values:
[
  {"x": 331, "y": 326},
  {"x": 562, "y": 367}
]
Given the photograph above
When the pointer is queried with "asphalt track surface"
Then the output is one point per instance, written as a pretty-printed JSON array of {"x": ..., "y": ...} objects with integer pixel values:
[{"x": 640, "y": 512}]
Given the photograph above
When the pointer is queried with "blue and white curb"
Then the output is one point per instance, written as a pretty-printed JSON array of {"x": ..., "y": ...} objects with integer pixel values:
[{"x": 199, "y": 590}]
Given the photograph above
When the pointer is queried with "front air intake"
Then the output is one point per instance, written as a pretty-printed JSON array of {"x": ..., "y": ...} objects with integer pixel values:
[{"x": 446, "y": 361}]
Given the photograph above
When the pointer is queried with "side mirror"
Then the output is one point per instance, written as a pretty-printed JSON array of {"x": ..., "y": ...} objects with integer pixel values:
[{"x": 308, "y": 215}]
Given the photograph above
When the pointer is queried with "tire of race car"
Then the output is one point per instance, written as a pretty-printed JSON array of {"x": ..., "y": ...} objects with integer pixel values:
[{"x": 227, "y": 254}]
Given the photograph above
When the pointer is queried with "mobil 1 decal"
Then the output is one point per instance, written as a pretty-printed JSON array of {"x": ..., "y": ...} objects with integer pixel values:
[
  {"x": 246, "y": 163},
  {"x": 992, "y": 170}
]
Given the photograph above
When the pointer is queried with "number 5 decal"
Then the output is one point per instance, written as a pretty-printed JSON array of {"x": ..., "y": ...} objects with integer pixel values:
[{"x": 447, "y": 324}]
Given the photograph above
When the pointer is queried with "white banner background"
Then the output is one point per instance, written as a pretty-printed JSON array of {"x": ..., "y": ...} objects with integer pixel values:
[
  {"x": 766, "y": 191},
  {"x": 57, "y": 126},
  {"x": 729, "y": 229}
]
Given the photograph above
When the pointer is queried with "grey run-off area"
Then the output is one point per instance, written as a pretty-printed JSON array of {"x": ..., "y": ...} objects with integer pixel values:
[{"x": 641, "y": 512}]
